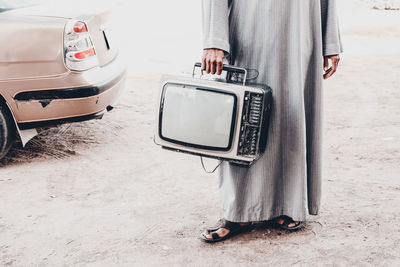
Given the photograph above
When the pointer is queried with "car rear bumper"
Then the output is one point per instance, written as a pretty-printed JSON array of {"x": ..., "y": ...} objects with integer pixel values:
[
  {"x": 93, "y": 92},
  {"x": 47, "y": 123}
]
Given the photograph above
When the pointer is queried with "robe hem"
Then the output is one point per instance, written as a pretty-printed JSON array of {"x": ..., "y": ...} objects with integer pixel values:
[{"x": 259, "y": 218}]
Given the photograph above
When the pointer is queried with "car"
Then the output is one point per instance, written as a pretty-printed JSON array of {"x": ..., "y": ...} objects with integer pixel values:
[{"x": 57, "y": 65}]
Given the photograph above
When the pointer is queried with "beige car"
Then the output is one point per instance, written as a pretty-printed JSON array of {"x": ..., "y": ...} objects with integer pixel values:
[{"x": 57, "y": 65}]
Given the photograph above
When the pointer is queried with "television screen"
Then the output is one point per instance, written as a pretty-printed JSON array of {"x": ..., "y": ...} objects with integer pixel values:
[{"x": 199, "y": 117}]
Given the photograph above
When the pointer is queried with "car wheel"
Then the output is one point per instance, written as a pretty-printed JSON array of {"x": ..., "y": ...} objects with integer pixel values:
[{"x": 7, "y": 131}]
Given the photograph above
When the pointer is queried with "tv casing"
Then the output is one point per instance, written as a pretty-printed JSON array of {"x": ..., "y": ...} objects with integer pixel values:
[{"x": 233, "y": 88}]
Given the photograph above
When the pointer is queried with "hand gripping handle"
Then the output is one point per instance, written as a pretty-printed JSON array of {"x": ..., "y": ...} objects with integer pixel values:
[{"x": 228, "y": 68}]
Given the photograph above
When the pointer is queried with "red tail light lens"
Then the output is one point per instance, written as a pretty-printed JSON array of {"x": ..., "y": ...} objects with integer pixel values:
[
  {"x": 85, "y": 54},
  {"x": 80, "y": 27},
  {"x": 79, "y": 50}
]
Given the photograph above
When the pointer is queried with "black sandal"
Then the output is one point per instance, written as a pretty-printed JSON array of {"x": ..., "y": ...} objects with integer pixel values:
[
  {"x": 234, "y": 229},
  {"x": 286, "y": 221}
]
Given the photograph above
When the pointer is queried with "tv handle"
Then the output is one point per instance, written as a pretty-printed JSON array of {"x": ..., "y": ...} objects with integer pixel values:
[{"x": 225, "y": 67}]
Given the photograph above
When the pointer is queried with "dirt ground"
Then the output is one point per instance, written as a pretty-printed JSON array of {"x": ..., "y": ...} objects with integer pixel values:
[{"x": 100, "y": 193}]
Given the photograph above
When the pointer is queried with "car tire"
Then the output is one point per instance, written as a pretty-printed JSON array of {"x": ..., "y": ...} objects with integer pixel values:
[{"x": 7, "y": 131}]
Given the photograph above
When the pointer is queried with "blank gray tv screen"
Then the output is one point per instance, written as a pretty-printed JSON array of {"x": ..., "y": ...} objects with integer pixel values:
[{"x": 197, "y": 116}]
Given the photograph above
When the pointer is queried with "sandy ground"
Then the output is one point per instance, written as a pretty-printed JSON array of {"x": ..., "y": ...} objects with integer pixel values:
[{"x": 100, "y": 193}]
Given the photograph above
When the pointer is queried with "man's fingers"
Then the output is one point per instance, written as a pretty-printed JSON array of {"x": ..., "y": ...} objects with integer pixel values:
[
  {"x": 335, "y": 63},
  {"x": 208, "y": 65},
  {"x": 327, "y": 73},
  {"x": 212, "y": 61},
  {"x": 213, "y": 64},
  {"x": 326, "y": 63},
  {"x": 330, "y": 71},
  {"x": 203, "y": 61},
  {"x": 219, "y": 66}
]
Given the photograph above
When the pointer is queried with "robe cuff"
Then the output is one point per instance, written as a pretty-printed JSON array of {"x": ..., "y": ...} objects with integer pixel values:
[
  {"x": 332, "y": 49},
  {"x": 217, "y": 43}
]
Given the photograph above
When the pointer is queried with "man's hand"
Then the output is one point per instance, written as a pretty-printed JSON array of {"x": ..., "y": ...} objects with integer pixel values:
[
  {"x": 212, "y": 61},
  {"x": 334, "y": 62}
]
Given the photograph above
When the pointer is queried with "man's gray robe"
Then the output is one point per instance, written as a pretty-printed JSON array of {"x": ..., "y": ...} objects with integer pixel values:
[{"x": 285, "y": 40}]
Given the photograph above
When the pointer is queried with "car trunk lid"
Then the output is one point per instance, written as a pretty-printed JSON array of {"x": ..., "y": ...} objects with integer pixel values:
[
  {"x": 98, "y": 18},
  {"x": 101, "y": 29}
]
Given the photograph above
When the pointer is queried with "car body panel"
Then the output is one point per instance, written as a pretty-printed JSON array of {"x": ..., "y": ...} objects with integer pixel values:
[
  {"x": 101, "y": 28},
  {"x": 32, "y": 61},
  {"x": 34, "y": 110},
  {"x": 97, "y": 16},
  {"x": 30, "y": 50}
]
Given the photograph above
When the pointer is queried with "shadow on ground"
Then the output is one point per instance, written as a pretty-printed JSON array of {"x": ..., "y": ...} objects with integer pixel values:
[{"x": 61, "y": 142}]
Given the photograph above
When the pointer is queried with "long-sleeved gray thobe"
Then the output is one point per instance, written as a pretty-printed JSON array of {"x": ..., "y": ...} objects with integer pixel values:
[{"x": 285, "y": 40}]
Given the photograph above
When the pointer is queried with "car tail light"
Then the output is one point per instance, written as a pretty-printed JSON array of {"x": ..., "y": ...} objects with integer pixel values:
[
  {"x": 79, "y": 51},
  {"x": 80, "y": 26},
  {"x": 85, "y": 54}
]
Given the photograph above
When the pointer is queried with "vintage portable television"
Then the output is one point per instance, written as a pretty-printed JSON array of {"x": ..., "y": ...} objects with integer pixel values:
[{"x": 226, "y": 120}]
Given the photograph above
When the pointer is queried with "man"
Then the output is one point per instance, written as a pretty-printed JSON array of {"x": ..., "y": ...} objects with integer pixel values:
[{"x": 293, "y": 45}]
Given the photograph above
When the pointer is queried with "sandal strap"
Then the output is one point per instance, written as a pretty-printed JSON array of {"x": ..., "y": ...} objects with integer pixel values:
[
  {"x": 234, "y": 226},
  {"x": 229, "y": 225},
  {"x": 215, "y": 236},
  {"x": 223, "y": 223},
  {"x": 288, "y": 220}
]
